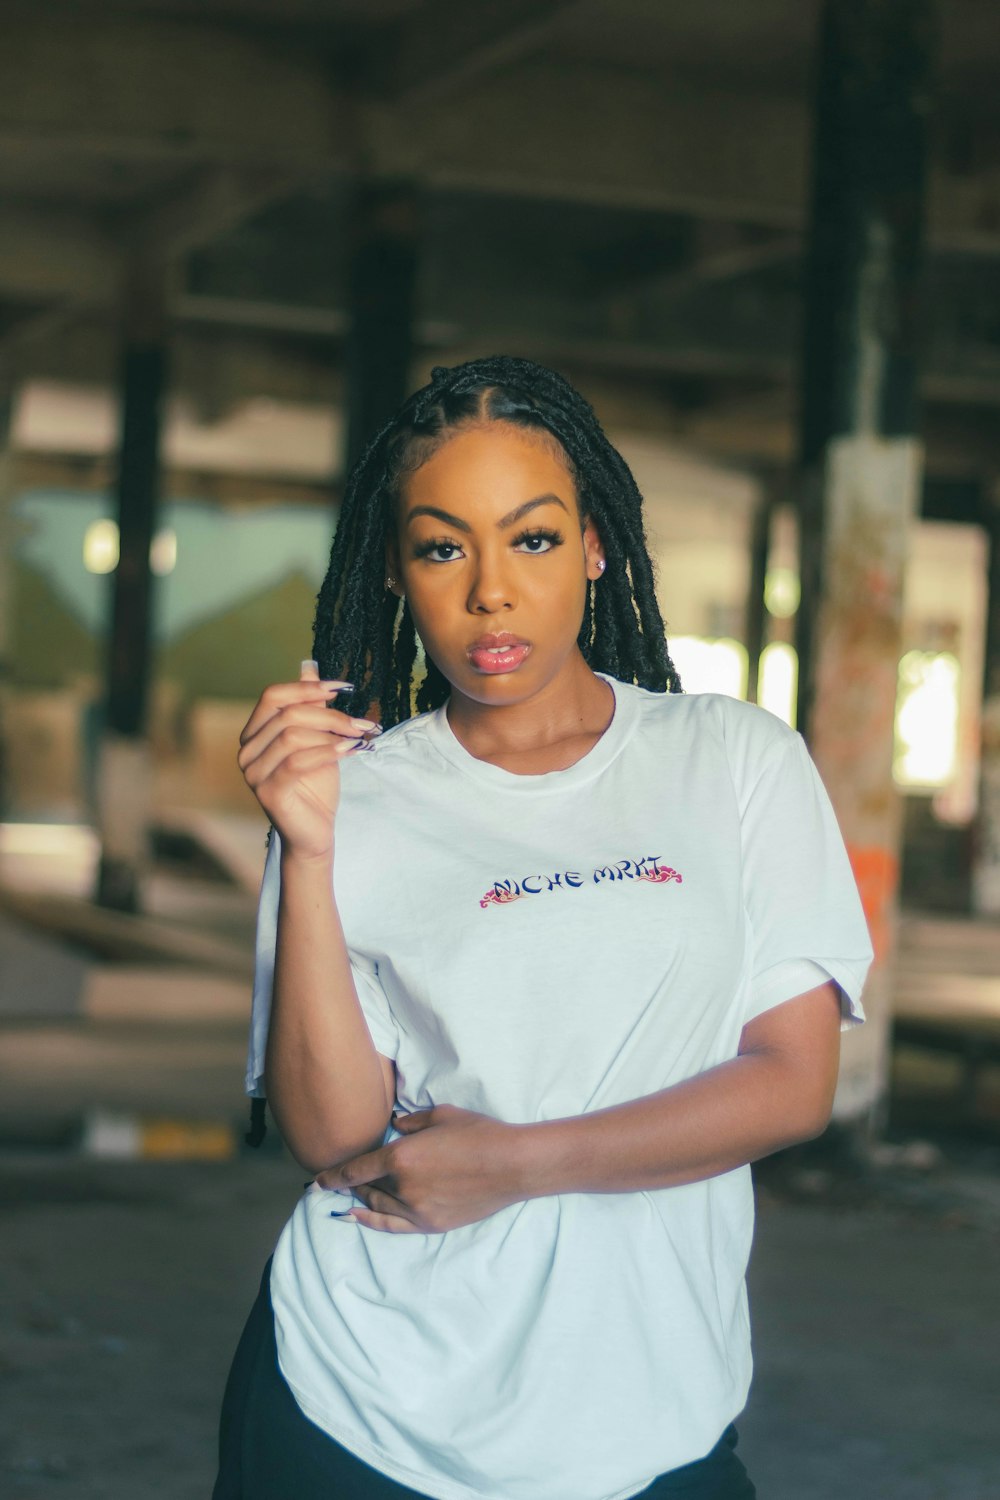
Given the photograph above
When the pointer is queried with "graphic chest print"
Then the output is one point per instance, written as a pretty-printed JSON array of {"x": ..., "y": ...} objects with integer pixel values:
[{"x": 648, "y": 868}]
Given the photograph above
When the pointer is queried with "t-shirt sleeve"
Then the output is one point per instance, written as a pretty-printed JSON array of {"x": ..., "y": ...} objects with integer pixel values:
[
  {"x": 807, "y": 925},
  {"x": 364, "y": 970}
]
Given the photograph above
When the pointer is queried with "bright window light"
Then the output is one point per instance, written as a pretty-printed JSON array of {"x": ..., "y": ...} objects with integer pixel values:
[
  {"x": 710, "y": 666},
  {"x": 163, "y": 552},
  {"x": 778, "y": 680},
  {"x": 926, "y": 719},
  {"x": 781, "y": 592},
  {"x": 100, "y": 547}
]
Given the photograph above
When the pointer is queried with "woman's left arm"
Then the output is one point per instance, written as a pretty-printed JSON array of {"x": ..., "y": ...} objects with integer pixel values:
[
  {"x": 455, "y": 1166},
  {"x": 777, "y": 1091}
]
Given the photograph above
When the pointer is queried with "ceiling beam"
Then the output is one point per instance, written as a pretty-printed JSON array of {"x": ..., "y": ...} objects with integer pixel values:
[
  {"x": 444, "y": 45},
  {"x": 147, "y": 89},
  {"x": 724, "y": 265},
  {"x": 672, "y": 146},
  {"x": 53, "y": 253},
  {"x": 216, "y": 201},
  {"x": 73, "y": 262}
]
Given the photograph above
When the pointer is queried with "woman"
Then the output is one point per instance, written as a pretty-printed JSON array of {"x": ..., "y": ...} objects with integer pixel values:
[{"x": 592, "y": 940}]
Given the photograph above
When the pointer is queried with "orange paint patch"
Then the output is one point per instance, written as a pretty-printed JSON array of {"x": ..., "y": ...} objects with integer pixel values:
[{"x": 876, "y": 871}]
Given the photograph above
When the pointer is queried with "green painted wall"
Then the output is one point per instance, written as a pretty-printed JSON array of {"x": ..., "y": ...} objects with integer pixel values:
[{"x": 233, "y": 655}]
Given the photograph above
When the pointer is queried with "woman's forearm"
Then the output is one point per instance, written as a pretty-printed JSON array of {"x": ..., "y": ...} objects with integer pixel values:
[
  {"x": 323, "y": 1076},
  {"x": 779, "y": 1090},
  {"x": 730, "y": 1115}
]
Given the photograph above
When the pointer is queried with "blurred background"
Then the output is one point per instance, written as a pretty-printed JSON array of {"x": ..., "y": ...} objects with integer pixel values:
[{"x": 764, "y": 241}]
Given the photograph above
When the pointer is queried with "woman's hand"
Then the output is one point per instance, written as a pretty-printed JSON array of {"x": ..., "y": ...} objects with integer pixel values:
[
  {"x": 454, "y": 1167},
  {"x": 290, "y": 752}
]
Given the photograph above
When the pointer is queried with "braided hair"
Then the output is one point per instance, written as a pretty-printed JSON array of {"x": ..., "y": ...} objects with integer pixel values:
[{"x": 364, "y": 633}]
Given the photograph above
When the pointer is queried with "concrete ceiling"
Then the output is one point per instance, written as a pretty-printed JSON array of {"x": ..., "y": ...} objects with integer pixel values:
[{"x": 617, "y": 186}]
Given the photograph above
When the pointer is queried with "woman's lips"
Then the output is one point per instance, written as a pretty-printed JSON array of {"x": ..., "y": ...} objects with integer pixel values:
[{"x": 503, "y": 659}]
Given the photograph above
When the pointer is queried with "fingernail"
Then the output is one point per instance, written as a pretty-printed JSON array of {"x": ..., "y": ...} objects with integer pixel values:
[
  {"x": 336, "y": 684},
  {"x": 309, "y": 666},
  {"x": 334, "y": 1215},
  {"x": 364, "y": 724}
]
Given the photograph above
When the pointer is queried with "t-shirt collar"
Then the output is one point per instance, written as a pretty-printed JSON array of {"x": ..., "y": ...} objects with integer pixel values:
[{"x": 588, "y": 766}]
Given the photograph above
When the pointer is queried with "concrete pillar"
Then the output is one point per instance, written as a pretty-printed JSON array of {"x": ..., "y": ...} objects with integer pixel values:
[
  {"x": 860, "y": 457},
  {"x": 380, "y": 296},
  {"x": 124, "y": 769},
  {"x": 986, "y": 862}
]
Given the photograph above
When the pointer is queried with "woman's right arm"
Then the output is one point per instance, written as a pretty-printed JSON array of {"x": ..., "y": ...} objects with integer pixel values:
[{"x": 330, "y": 1091}]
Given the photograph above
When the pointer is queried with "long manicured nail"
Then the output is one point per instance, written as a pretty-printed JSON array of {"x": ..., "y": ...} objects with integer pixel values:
[
  {"x": 365, "y": 724},
  {"x": 336, "y": 685}
]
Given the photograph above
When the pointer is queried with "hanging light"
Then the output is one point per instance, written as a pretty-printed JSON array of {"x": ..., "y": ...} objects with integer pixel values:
[{"x": 100, "y": 546}]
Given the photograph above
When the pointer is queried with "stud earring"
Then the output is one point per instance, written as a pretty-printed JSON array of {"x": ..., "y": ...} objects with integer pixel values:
[{"x": 602, "y": 564}]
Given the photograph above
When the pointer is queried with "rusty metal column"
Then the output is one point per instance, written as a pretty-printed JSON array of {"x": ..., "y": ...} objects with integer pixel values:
[
  {"x": 860, "y": 458},
  {"x": 381, "y": 288},
  {"x": 986, "y": 861},
  {"x": 125, "y": 773}
]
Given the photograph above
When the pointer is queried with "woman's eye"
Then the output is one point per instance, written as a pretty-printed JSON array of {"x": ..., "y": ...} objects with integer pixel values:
[
  {"x": 441, "y": 546},
  {"x": 530, "y": 539}
]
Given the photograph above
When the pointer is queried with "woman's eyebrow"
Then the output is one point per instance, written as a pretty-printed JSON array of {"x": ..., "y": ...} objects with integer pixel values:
[{"x": 505, "y": 521}]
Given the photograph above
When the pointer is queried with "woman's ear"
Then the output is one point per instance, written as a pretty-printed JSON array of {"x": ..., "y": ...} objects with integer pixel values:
[
  {"x": 392, "y": 569},
  {"x": 593, "y": 547}
]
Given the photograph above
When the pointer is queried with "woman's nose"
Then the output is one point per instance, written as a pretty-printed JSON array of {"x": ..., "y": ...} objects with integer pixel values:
[{"x": 492, "y": 587}]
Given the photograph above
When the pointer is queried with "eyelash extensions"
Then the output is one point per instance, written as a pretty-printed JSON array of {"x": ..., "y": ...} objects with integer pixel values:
[{"x": 554, "y": 538}]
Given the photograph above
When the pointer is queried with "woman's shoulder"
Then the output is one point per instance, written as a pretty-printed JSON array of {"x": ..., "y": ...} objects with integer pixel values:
[
  {"x": 729, "y": 741},
  {"x": 384, "y": 759},
  {"x": 714, "y": 715},
  {"x": 400, "y": 739}
]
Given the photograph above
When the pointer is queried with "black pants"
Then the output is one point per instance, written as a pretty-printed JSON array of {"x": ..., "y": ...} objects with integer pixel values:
[{"x": 269, "y": 1449}]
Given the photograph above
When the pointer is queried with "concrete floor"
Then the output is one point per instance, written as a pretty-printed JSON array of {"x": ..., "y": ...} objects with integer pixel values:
[{"x": 875, "y": 1330}]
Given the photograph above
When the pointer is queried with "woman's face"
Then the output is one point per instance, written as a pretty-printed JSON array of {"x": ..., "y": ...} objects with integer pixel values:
[{"x": 489, "y": 541}]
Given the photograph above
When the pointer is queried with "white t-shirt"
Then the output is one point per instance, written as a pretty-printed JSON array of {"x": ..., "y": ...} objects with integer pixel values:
[{"x": 535, "y": 947}]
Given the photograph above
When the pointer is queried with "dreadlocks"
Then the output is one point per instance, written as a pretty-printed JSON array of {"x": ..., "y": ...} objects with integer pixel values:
[{"x": 361, "y": 633}]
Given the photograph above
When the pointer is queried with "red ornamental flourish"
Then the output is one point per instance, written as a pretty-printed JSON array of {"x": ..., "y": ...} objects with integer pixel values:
[{"x": 499, "y": 898}]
